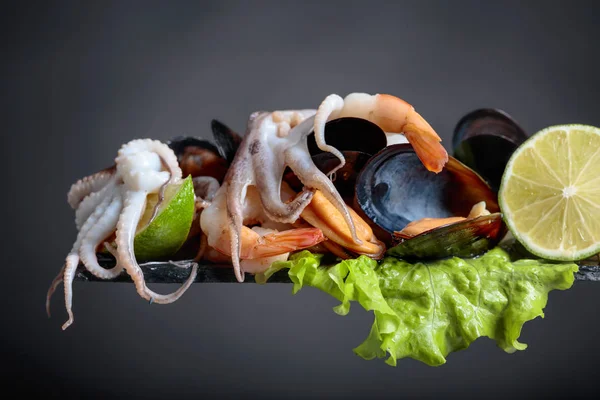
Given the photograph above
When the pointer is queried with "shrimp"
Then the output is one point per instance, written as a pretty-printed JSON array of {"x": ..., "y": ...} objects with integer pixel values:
[
  {"x": 391, "y": 114},
  {"x": 275, "y": 239},
  {"x": 422, "y": 225},
  {"x": 258, "y": 265}
]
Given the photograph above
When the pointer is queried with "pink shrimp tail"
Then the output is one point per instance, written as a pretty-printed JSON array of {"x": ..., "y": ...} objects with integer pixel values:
[
  {"x": 429, "y": 149},
  {"x": 277, "y": 243},
  {"x": 396, "y": 115}
]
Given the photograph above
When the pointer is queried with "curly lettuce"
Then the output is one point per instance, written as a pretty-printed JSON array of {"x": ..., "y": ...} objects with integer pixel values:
[{"x": 426, "y": 311}]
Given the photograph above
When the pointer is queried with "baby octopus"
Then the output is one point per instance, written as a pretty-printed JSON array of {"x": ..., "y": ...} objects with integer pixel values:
[
  {"x": 273, "y": 140},
  {"x": 276, "y": 140},
  {"x": 110, "y": 202}
]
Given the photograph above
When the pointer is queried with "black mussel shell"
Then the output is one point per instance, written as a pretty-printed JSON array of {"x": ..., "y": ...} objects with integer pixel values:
[
  {"x": 394, "y": 188},
  {"x": 345, "y": 177},
  {"x": 467, "y": 238},
  {"x": 484, "y": 140},
  {"x": 198, "y": 157},
  {"x": 227, "y": 141},
  {"x": 351, "y": 134},
  {"x": 180, "y": 143}
]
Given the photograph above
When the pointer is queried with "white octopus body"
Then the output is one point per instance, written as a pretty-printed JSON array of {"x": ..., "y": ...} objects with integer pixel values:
[
  {"x": 113, "y": 201},
  {"x": 274, "y": 141}
]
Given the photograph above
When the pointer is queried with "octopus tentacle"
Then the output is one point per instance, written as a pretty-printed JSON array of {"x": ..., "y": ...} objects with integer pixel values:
[
  {"x": 285, "y": 213},
  {"x": 236, "y": 192},
  {"x": 268, "y": 184},
  {"x": 126, "y": 227},
  {"x": 69, "y": 273},
  {"x": 298, "y": 158},
  {"x": 72, "y": 260},
  {"x": 87, "y": 185},
  {"x": 172, "y": 297},
  {"x": 55, "y": 282},
  {"x": 102, "y": 229},
  {"x": 133, "y": 207},
  {"x": 113, "y": 252},
  {"x": 328, "y": 110},
  {"x": 91, "y": 202}
]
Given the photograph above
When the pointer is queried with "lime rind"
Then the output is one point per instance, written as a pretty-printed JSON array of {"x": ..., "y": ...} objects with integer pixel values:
[
  {"x": 507, "y": 214},
  {"x": 165, "y": 235}
]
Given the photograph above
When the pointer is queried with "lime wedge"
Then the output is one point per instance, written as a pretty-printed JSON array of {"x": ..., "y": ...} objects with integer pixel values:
[
  {"x": 165, "y": 235},
  {"x": 550, "y": 192}
]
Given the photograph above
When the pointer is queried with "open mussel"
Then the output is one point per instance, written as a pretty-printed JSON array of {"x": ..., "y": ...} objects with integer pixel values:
[
  {"x": 227, "y": 140},
  {"x": 455, "y": 211},
  {"x": 484, "y": 140},
  {"x": 351, "y": 134},
  {"x": 357, "y": 139},
  {"x": 345, "y": 177},
  {"x": 466, "y": 238},
  {"x": 198, "y": 157},
  {"x": 201, "y": 157}
]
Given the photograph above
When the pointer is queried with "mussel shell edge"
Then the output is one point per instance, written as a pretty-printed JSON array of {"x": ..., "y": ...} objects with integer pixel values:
[
  {"x": 484, "y": 139},
  {"x": 350, "y": 134},
  {"x": 465, "y": 239}
]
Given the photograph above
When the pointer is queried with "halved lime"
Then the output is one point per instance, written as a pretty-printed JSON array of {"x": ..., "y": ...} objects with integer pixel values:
[
  {"x": 165, "y": 235},
  {"x": 550, "y": 192}
]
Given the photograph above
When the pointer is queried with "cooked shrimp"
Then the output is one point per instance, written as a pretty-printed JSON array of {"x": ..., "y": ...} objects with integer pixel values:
[
  {"x": 255, "y": 243},
  {"x": 391, "y": 114},
  {"x": 258, "y": 265}
]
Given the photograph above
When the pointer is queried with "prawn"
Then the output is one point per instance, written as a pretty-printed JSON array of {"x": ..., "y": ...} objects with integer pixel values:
[
  {"x": 270, "y": 239},
  {"x": 391, "y": 114}
]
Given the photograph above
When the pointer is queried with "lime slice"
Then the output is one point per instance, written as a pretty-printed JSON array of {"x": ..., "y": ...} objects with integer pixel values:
[
  {"x": 165, "y": 235},
  {"x": 550, "y": 192}
]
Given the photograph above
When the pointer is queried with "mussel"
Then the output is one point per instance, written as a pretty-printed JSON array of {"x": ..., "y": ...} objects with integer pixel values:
[
  {"x": 207, "y": 161},
  {"x": 467, "y": 238},
  {"x": 394, "y": 189},
  {"x": 345, "y": 177},
  {"x": 350, "y": 134},
  {"x": 200, "y": 157},
  {"x": 484, "y": 140},
  {"x": 357, "y": 139},
  {"x": 226, "y": 139}
]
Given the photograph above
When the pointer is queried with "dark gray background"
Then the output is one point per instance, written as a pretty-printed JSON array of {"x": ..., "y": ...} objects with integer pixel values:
[{"x": 80, "y": 80}]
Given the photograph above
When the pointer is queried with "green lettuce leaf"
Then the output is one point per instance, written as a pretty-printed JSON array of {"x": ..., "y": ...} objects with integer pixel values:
[{"x": 426, "y": 311}]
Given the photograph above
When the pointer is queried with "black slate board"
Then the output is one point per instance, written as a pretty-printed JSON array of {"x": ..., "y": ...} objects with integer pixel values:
[
  {"x": 588, "y": 273},
  {"x": 167, "y": 272}
]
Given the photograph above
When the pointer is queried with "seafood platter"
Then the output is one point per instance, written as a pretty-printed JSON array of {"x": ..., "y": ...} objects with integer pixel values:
[{"x": 359, "y": 198}]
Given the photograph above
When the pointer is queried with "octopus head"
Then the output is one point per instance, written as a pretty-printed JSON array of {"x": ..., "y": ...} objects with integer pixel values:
[{"x": 142, "y": 169}]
